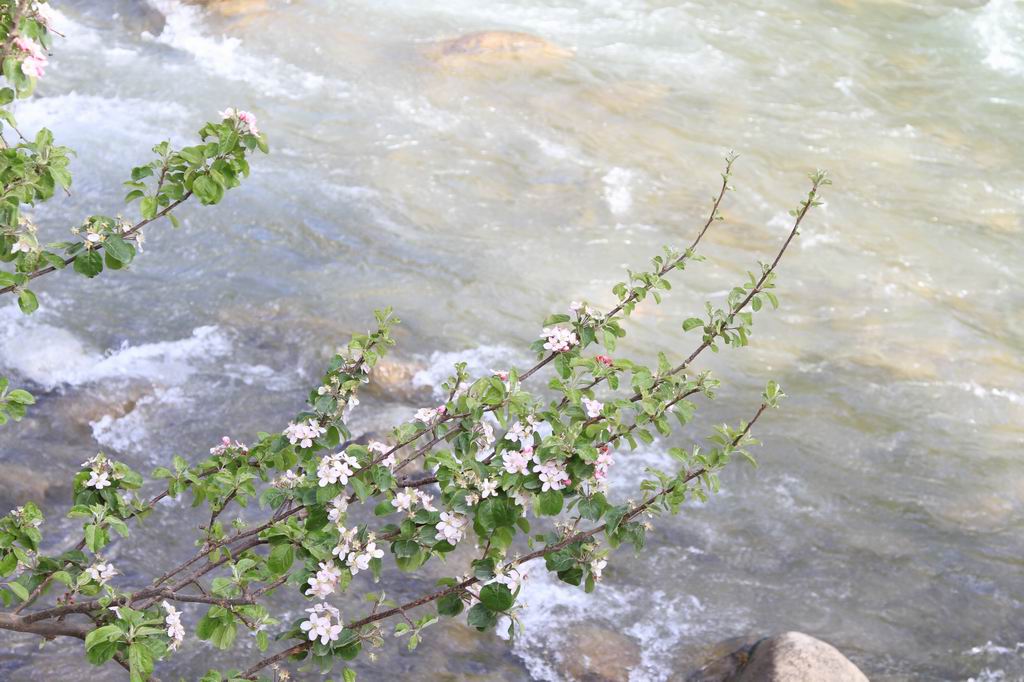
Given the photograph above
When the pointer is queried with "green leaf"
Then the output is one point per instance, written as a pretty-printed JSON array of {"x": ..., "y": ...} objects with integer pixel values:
[
  {"x": 140, "y": 661},
  {"x": 348, "y": 675},
  {"x": 280, "y": 559},
  {"x": 496, "y": 597},
  {"x": 497, "y": 512},
  {"x": 89, "y": 263},
  {"x": 148, "y": 207},
  {"x": 207, "y": 189},
  {"x": 692, "y": 323},
  {"x": 28, "y": 302},
  {"x": 107, "y": 633},
  {"x": 550, "y": 503},
  {"x": 449, "y": 605},
  {"x": 20, "y": 590},
  {"x": 119, "y": 249},
  {"x": 223, "y": 635},
  {"x": 481, "y": 618}
]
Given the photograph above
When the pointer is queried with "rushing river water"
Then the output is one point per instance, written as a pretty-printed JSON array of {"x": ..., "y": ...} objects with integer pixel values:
[{"x": 886, "y": 514}]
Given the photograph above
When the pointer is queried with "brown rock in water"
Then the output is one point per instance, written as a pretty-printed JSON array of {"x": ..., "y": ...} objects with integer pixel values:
[
  {"x": 392, "y": 379},
  {"x": 722, "y": 661},
  {"x": 496, "y": 47},
  {"x": 789, "y": 657},
  {"x": 597, "y": 654},
  {"x": 232, "y": 8},
  {"x": 20, "y": 484}
]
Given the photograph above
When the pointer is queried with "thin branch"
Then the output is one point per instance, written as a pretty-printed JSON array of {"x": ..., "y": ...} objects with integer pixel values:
[{"x": 70, "y": 259}]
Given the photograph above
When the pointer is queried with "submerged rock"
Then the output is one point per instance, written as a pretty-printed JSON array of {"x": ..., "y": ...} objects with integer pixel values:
[
  {"x": 392, "y": 379},
  {"x": 20, "y": 484},
  {"x": 495, "y": 47},
  {"x": 232, "y": 8},
  {"x": 789, "y": 657},
  {"x": 597, "y": 654}
]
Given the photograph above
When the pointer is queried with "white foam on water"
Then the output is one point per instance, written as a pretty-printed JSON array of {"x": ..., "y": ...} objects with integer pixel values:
[
  {"x": 50, "y": 356},
  {"x": 480, "y": 362},
  {"x": 225, "y": 56},
  {"x": 975, "y": 389},
  {"x": 618, "y": 190},
  {"x": 130, "y": 432},
  {"x": 1000, "y": 27},
  {"x": 98, "y": 117},
  {"x": 988, "y": 648},
  {"x": 76, "y": 36},
  {"x": 543, "y": 648}
]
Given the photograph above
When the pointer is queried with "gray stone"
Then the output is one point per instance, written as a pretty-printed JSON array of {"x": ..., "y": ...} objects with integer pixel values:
[{"x": 789, "y": 657}]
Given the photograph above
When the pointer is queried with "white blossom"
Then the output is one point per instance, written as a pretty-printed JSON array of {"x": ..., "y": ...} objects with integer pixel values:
[
  {"x": 336, "y": 468},
  {"x": 484, "y": 440},
  {"x": 511, "y": 578},
  {"x": 324, "y": 623},
  {"x": 517, "y": 462},
  {"x": 289, "y": 480},
  {"x": 596, "y": 566},
  {"x": 428, "y": 414},
  {"x": 101, "y": 572},
  {"x": 338, "y": 506},
  {"x": 345, "y": 543},
  {"x": 520, "y": 432},
  {"x": 426, "y": 500},
  {"x": 552, "y": 475},
  {"x": 602, "y": 464},
  {"x": 98, "y": 480},
  {"x": 325, "y": 582},
  {"x": 304, "y": 433},
  {"x": 404, "y": 500},
  {"x": 360, "y": 561},
  {"x": 558, "y": 339},
  {"x": 452, "y": 527},
  {"x": 488, "y": 488},
  {"x": 175, "y": 630},
  {"x": 593, "y": 407}
]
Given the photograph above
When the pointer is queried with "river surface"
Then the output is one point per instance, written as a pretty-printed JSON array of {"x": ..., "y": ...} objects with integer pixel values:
[{"x": 886, "y": 515}]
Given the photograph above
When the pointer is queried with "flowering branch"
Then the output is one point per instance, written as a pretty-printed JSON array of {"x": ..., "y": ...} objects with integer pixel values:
[{"x": 497, "y": 460}]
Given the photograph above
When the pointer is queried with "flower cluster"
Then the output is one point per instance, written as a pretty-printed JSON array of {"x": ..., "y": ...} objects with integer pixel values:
[
  {"x": 101, "y": 572},
  {"x": 356, "y": 554},
  {"x": 558, "y": 339},
  {"x": 483, "y": 438},
  {"x": 226, "y": 444},
  {"x": 521, "y": 432},
  {"x": 325, "y": 582},
  {"x": 604, "y": 360},
  {"x": 304, "y": 433},
  {"x": 518, "y": 461},
  {"x": 405, "y": 500},
  {"x": 175, "y": 630},
  {"x": 592, "y": 407},
  {"x": 337, "y": 508},
  {"x": 511, "y": 578},
  {"x": 381, "y": 449},
  {"x": 336, "y": 468},
  {"x": 34, "y": 64},
  {"x": 289, "y": 480},
  {"x": 101, "y": 472},
  {"x": 602, "y": 464},
  {"x": 324, "y": 623},
  {"x": 452, "y": 527},
  {"x": 427, "y": 415},
  {"x": 552, "y": 475},
  {"x": 246, "y": 120}
]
